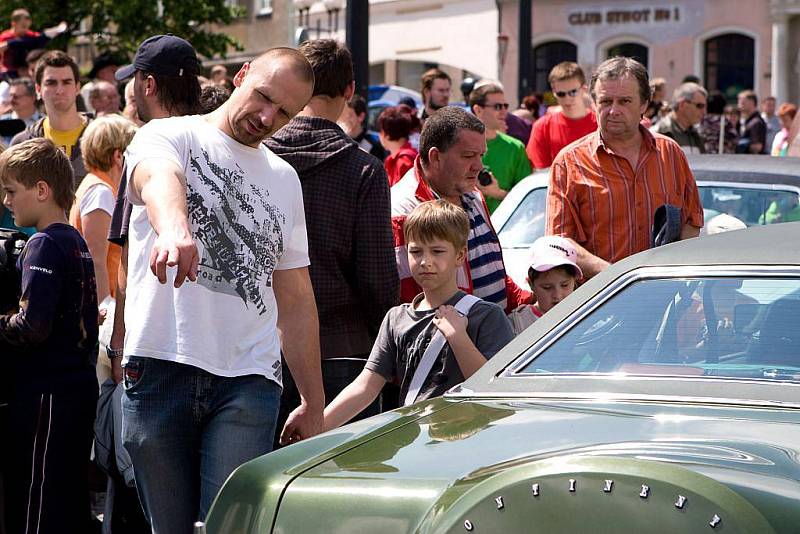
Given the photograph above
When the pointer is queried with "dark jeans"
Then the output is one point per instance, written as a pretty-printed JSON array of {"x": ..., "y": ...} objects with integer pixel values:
[
  {"x": 186, "y": 431},
  {"x": 47, "y": 481},
  {"x": 337, "y": 373}
]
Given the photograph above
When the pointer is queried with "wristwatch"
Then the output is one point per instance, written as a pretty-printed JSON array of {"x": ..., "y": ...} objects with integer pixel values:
[{"x": 113, "y": 353}]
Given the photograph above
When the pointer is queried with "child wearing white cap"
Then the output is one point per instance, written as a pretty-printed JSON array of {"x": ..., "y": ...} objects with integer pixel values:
[{"x": 552, "y": 276}]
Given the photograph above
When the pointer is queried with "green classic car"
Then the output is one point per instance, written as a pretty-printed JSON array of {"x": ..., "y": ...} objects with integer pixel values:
[{"x": 662, "y": 396}]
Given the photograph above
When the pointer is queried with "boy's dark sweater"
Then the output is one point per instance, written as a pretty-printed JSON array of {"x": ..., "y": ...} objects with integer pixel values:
[{"x": 52, "y": 342}]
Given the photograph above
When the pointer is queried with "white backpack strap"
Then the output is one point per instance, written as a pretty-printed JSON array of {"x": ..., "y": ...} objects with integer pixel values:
[{"x": 435, "y": 346}]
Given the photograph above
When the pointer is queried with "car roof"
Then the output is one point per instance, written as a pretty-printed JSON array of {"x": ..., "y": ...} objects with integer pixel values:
[
  {"x": 756, "y": 248},
  {"x": 745, "y": 168},
  {"x": 758, "y": 245}
]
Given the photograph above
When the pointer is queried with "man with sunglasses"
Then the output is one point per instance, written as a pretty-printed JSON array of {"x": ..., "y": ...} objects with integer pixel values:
[
  {"x": 688, "y": 110},
  {"x": 505, "y": 156},
  {"x": 574, "y": 120}
]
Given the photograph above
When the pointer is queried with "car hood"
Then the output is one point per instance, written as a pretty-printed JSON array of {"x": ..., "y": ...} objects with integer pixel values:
[{"x": 484, "y": 466}]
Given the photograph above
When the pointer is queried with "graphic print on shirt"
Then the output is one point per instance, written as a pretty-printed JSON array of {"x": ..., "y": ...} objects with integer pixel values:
[{"x": 239, "y": 230}]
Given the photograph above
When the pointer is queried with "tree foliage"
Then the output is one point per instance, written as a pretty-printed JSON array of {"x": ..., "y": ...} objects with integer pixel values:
[{"x": 120, "y": 25}]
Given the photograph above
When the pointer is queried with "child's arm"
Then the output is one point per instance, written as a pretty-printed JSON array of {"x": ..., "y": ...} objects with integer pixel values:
[
  {"x": 353, "y": 399},
  {"x": 454, "y": 328},
  {"x": 41, "y": 265}
]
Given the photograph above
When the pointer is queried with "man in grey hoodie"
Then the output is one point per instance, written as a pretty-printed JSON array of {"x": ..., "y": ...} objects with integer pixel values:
[{"x": 346, "y": 198}]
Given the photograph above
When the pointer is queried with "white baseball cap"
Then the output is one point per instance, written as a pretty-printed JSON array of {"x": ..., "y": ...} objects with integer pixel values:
[
  {"x": 553, "y": 251},
  {"x": 723, "y": 223}
]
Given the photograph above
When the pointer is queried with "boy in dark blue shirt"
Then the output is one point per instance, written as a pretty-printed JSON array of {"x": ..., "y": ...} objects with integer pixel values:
[{"x": 49, "y": 346}]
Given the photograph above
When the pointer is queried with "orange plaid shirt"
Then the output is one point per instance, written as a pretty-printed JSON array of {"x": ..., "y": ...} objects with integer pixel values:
[{"x": 596, "y": 198}]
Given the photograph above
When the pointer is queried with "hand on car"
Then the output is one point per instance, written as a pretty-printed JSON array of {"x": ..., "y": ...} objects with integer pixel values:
[{"x": 301, "y": 424}]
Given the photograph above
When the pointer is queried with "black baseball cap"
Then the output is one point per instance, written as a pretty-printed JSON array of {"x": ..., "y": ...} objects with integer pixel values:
[{"x": 163, "y": 54}]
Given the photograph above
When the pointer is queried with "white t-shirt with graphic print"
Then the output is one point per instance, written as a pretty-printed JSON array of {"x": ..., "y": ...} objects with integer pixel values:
[{"x": 246, "y": 216}]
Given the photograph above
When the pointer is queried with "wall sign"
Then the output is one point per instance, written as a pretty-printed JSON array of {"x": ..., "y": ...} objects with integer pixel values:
[{"x": 625, "y": 16}]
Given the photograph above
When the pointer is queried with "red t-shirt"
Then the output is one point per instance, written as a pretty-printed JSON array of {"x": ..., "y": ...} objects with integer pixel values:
[
  {"x": 8, "y": 35},
  {"x": 398, "y": 165},
  {"x": 553, "y": 132}
]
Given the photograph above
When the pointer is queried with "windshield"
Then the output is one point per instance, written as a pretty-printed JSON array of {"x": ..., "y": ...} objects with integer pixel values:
[
  {"x": 526, "y": 224},
  {"x": 749, "y": 205},
  {"x": 714, "y": 327}
]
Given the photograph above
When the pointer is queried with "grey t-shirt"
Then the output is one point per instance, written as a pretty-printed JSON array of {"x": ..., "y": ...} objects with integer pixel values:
[{"x": 406, "y": 332}]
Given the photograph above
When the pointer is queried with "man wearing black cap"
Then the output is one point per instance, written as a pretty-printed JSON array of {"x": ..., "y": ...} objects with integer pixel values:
[
  {"x": 202, "y": 363},
  {"x": 159, "y": 92},
  {"x": 154, "y": 88}
]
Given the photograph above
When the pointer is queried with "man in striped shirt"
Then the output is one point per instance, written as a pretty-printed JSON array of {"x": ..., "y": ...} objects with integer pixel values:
[
  {"x": 451, "y": 146},
  {"x": 605, "y": 187}
]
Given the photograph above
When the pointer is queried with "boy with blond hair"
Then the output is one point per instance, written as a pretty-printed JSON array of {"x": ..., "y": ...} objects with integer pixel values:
[
  {"x": 50, "y": 344},
  {"x": 440, "y": 338}
]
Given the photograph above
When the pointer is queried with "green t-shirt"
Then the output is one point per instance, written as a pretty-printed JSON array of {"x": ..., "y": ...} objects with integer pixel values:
[{"x": 506, "y": 158}]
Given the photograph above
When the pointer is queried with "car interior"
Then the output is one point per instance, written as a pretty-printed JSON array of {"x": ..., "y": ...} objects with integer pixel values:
[{"x": 715, "y": 326}]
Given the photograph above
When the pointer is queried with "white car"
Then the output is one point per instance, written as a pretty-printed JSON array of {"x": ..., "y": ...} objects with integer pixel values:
[{"x": 755, "y": 189}]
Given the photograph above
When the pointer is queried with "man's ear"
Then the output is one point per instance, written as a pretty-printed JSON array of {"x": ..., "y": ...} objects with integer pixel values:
[
  {"x": 239, "y": 77},
  {"x": 434, "y": 157},
  {"x": 350, "y": 90},
  {"x": 477, "y": 111},
  {"x": 150, "y": 86}
]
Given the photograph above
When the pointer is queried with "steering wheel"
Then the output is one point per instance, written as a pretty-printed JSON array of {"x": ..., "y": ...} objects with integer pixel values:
[{"x": 600, "y": 329}]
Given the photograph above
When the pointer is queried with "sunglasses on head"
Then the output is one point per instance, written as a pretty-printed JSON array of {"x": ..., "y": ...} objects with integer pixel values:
[
  {"x": 497, "y": 107},
  {"x": 571, "y": 92}
]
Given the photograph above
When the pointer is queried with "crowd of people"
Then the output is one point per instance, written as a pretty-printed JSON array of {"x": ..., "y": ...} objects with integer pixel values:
[{"x": 258, "y": 267}]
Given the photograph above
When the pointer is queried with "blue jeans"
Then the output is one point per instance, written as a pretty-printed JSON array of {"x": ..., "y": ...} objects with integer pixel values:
[{"x": 186, "y": 431}]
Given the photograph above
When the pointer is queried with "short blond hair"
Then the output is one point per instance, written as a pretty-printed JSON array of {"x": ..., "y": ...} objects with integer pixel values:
[
  {"x": 437, "y": 219},
  {"x": 102, "y": 137},
  {"x": 37, "y": 160}
]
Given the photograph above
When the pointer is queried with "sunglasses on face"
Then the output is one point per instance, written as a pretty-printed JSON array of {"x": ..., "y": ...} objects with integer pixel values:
[
  {"x": 497, "y": 107},
  {"x": 698, "y": 105},
  {"x": 571, "y": 92}
]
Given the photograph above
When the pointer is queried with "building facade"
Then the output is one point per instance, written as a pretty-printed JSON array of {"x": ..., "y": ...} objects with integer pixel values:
[{"x": 730, "y": 44}]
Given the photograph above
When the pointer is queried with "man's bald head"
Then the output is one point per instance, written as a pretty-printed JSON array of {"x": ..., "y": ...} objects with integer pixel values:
[
  {"x": 268, "y": 92},
  {"x": 294, "y": 59}
]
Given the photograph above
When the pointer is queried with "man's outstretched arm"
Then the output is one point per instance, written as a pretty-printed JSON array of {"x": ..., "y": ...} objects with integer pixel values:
[{"x": 161, "y": 186}]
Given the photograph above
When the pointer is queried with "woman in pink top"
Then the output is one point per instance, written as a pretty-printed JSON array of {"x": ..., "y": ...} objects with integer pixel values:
[{"x": 395, "y": 125}]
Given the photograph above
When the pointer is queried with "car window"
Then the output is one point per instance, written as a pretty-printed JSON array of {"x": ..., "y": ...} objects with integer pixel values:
[
  {"x": 526, "y": 224},
  {"x": 751, "y": 206},
  {"x": 373, "y": 112},
  {"x": 718, "y": 327}
]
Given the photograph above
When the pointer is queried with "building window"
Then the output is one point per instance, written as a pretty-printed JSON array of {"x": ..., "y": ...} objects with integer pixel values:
[
  {"x": 632, "y": 50},
  {"x": 548, "y": 55},
  {"x": 263, "y": 7},
  {"x": 730, "y": 64}
]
